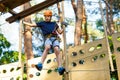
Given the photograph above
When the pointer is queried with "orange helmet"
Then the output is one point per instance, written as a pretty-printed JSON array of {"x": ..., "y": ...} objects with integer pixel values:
[{"x": 48, "y": 13}]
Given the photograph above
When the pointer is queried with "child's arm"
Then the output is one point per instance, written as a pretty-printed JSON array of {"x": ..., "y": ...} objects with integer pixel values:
[
  {"x": 60, "y": 31},
  {"x": 30, "y": 24}
]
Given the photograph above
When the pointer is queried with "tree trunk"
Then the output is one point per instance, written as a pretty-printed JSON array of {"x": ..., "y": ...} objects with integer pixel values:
[
  {"x": 28, "y": 39},
  {"x": 107, "y": 18},
  {"x": 28, "y": 36},
  {"x": 74, "y": 6},
  {"x": 84, "y": 21},
  {"x": 111, "y": 18},
  {"x": 78, "y": 9}
]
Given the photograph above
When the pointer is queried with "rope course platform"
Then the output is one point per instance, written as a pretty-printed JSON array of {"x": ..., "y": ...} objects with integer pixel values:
[
  {"x": 88, "y": 61},
  {"x": 84, "y": 62}
]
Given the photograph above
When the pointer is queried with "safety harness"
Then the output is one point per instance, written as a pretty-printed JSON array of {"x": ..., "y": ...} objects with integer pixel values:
[{"x": 52, "y": 35}]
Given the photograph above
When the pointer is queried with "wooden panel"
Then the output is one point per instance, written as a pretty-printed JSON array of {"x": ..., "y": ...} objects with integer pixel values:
[
  {"x": 11, "y": 71},
  {"x": 32, "y": 10},
  {"x": 9, "y": 4},
  {"x": 49, "y": 64},
  {"x": 89, "y": 61},
  {"x": 116, "y": 44}
]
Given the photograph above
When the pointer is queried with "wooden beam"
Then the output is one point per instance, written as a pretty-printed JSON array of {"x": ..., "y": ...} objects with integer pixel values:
[
  {"x": 2, "y": 8},
  {"x": 11, "y": 4},
  {"x": 12, "y": 12},
  {"x": 32, "y": 10}
]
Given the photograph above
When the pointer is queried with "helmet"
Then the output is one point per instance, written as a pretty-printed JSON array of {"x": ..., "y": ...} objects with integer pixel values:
[{"x": 48, "y": 13}]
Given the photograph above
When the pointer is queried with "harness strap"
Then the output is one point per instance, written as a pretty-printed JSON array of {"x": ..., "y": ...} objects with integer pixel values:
[
  {"x": 52, "y": 35},
  {"x": 53, "y": 40}
]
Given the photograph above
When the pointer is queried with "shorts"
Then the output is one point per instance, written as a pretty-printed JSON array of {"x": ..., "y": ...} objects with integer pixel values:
[{"x": 52, "y": 41}]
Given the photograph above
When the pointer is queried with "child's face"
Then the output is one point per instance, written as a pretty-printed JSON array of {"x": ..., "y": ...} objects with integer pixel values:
[{"x": 47, "y": 18}]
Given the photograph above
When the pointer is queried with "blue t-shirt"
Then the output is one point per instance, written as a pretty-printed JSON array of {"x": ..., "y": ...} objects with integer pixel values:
[{"x": 48, "y": 27}]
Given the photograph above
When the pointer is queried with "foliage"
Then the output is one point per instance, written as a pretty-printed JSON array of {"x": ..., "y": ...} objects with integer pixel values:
[
  {"x": 99, "y": 25},
  {"x": 6, "y": 55},
  {"x": 114, "y": 73},
  {"x": 3, "y": 42},
  {"x": 115, "y": 4},
  {"x": 94, "y": 33}
]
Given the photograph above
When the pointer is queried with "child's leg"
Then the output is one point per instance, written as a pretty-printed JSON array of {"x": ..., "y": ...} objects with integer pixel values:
[
  {"x": 61, "y": 69},
  {"x": 58, "y": 57},
  {"x": 48, "y": 44},
  {"x": 46, "y": 50},
  {"x": 44, "y": 55}
]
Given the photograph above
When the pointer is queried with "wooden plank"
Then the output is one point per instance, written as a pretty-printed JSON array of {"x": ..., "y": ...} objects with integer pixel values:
[
  {"x": 115, "y": 39},
  {"x": 50, "y": 64},
  {"x": 89, "y": 61},
  {"x": 9, "y": 4},
  {"x": 32, "y": 10},
  {"x": 12, "y": 12},
  {"x": 12, "y": 70}
]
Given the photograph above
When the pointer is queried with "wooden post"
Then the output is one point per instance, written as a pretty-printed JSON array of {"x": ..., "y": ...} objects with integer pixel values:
[
  {"x": 108, "y": 46},
  {"x": 66, "y": 76},
  {"x": 20, "y": 47},
  {"x": 64, "y": 55}
]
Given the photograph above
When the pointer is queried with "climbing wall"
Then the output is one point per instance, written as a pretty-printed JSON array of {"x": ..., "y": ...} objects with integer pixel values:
[
  {"x": 89, "y": 61},
  {"x": 116, "y": 43},
  {"x": 86, "y": 62},
  {"x": 11, "y": 72},
  {"x": 49, "y": 71}
]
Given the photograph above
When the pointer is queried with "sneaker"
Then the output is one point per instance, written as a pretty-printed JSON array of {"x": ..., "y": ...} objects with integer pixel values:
[
  {"x": 61, "y": 70},
  {"x": 39, "y": 66}
]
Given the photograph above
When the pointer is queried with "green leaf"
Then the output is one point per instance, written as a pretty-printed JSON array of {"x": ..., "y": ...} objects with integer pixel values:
[
  {"x": 1, "y": 51},
  {"x": 7, "y": 44}
]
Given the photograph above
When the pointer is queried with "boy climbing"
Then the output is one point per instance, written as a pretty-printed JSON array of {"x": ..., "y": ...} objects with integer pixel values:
[{"x": 50, "y": 31}]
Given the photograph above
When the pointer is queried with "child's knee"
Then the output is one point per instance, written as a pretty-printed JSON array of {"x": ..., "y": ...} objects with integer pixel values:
[
  {"x": 56, "y": 48},
  {"x": 47, "y": 47}
]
